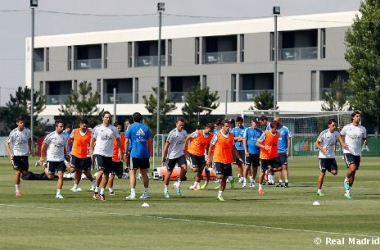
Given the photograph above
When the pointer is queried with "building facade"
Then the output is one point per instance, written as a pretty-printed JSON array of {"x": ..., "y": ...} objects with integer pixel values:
[{"x": 235, "y": 58}]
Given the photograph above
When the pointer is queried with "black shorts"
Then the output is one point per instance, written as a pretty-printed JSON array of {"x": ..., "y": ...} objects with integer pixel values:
[
  {"x": 328, "y": 164},
  {"x": 171, "y": 162},
  {"x": 223, "y": 169},
  {"x": 103, "y": 163},
  {"x": 253, "y": 159},
  {"x": 20, "y": 163},
  {"x": 81, "y": 163},
  {"x": 141, "y": 163},
  {"x": 197, "y": 161},
  {"x": 117, "y": 168},
  {"x": 53, "y": 166},
  {"x": 283, "y": 159},
  {"x": 274, "y": 163},
  {"x": 352, "y": 159},
  {"x": 242, "y": 156}
]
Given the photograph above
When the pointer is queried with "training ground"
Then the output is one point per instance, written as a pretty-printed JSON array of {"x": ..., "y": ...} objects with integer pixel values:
[{"x": 279, "y": 219}]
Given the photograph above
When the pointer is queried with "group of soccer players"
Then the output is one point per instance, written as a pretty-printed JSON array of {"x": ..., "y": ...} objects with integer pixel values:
[{"x": 209, "y": 150}]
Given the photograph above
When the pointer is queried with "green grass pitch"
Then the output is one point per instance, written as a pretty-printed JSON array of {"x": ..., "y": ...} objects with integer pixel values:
[{"x": 279, "y": 219}]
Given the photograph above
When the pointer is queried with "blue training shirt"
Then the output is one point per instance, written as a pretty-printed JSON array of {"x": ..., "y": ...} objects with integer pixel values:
[
  {"x": 138, "y": 134},
  {"x": 252, "y": 134},
  {"x": 238, "y": 131},
  {"x": 283, "y": 139},
  {"x": 67, "y": 135}
]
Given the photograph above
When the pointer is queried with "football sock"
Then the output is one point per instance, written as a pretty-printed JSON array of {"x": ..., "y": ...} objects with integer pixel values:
[{"x": 17, "y": 188}]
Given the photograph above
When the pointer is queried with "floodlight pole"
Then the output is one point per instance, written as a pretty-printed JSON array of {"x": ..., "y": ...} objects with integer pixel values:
[
  {"x": 276, "y": 12},
  {"x": 160, "y": 9},
  {"x": 33, "y": 4}
]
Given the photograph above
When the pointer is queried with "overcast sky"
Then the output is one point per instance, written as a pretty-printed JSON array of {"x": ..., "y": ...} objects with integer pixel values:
[{"x": 15, "y": 25}]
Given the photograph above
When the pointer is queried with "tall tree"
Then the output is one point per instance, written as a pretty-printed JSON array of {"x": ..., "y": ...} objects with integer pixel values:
[
  {"x": 337, "y": 98},
  {"x": 166, "y": 105},
  {"x": 19, "y": 105},
  {"x": 363, "y": 54},
  {"x": 263, "y": 101},
  {"x": 81, "y": 104},
  {"x": 199, "y": 103}
]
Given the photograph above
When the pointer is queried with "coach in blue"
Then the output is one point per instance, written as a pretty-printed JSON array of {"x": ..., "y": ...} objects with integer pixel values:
[{"x": 284, "y": 146}]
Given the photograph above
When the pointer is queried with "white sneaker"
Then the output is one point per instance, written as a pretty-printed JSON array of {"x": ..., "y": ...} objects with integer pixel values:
[
  {"x": 244, "y": 185},
  {"x": 92, "y": 188},
  {"x": 252, "y": 184},
  {"x": 79, "y": 189},
  {"x": 241, "y": 179},
  {"x": 131, "y": 197},
  {"x": 175, "y": 185},
  {"x": 139, "y": 177},
  {"x": 74, "y": 189},
  {"x": 145, "y": 195},
  {"x": 59, "y": 196}
]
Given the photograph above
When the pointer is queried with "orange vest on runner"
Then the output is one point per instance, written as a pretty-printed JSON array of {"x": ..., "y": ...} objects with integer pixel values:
[
  {"x": 223, "y": 149},
  {"x": 80, "y": 144},
  {"x": 198, "y": 144},
  {"x": 271, "y": 140},
  {"x": 115, "y": 155}
]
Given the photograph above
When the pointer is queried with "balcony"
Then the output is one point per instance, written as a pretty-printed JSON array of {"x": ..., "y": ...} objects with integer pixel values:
[
  {"x": 39, "y": 66},
  {"x": 220, "y": 57},
  {"x": 249, "y": 95},
  {"x": 56, "y": 99},
  {"x": 301, "y": 53},
  {"x": 147, "y": 61},
  {"x": 88, "y": 64},
  {"x": 177, "y": 96},
  {"x": 120, "y": 98}
]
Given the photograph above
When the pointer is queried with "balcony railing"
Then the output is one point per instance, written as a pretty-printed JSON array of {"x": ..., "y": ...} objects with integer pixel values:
[
  {"x": 220, "y": 57},
  {"x": 39, "y": 66},
  {"x": 177, "y": 96},
  {"x": 301, "y": 53},
  {"x": 57, "y": 99},
  {"x": 249, "y": 95},
  {"x": 147, "y": 61},
  {"x": 88, "y": 64},
  {"x": 120, "y": 98}
]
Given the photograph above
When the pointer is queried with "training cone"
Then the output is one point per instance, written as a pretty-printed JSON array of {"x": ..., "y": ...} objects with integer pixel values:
[
  {"x": 316, "y": 203},
  {"x": 145, "y": 204}
]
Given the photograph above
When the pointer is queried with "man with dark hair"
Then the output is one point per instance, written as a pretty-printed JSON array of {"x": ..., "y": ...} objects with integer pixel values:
[
  {"x": 264, "y": 121},
  {"x": 101, "y": 149},
  {"x": 20, "y": 140},
  {"x": 284, "y": 146},
  {"x": 238, "y": 132},
  {"x": 67, "y": 133},
  {"x": 326, "y": 143},
  {"x": 217, "y": 126},
  {"x": 199, "y": 141},
  {"x": 222, "y": 149},
  {"x": 354, "y": 135},
  {"x": 54, "y": 148},
  {"x": 173, "y": 151},
  {"x": 268, "y": 144},
  {"x": 139, "y": 136},
  {"x": 128, "y": 148},
  {"x": 80, "y": 158}
]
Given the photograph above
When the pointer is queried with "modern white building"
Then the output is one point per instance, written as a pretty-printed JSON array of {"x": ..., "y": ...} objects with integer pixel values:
[{"x": 234, "y": 58}]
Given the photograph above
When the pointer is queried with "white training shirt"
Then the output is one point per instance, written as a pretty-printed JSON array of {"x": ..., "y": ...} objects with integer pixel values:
[
  {"x": 354, "y": 136},
  {"x": 328, "y": 140},
  {"x": 19, "y": 141},
  {"x": 177, "y": 141},
  {"x": 104, "y": 139},
  {"x": 56, "y": 146}
]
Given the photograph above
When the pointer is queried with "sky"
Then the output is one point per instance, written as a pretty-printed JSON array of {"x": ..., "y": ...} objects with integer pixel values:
[{"x": 73, "y": 16}]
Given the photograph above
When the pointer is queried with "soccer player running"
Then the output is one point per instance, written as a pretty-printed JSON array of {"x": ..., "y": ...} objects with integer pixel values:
[
  {"x": 238, "y": 132},
  {"x": 101, "y": 148},
  {"x": 326, "y": 143},
  {"x": 138, "y": 134},
  {"x": 252, "y": 152},
  {"x": 354, "y": 134},
  {"x": 284, "y": 146},
  {"x": 199, "y": 141},
  {"x": 268, "y": 144},
  {"x": 21, "y": 142},
  {"x": 222, "y": 149},
  {"x": 117, "y": 163},
  {"x": 173, "y": 151},
  {"x": 80, "y": 160},
  {"x": 53, "y": 149}
]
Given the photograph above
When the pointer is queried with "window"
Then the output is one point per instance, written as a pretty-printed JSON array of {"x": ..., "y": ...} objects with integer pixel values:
[
  {"x": 204, "y": 81},
  {"x": 233, "y": 88},
  {"x": 136, "y": 91}
]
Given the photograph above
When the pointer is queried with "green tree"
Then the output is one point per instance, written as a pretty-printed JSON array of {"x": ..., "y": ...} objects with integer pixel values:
[
  {"x": 166, "y": 105},
  {"x": 263, "y": 101},
  {"x": 363, "y": 54},
  {"x": 199, "y": 101},
  {"x": 81, "y": 104},
  {"x": 337, "y": 98},
  {"x": 19, "y": 105}
]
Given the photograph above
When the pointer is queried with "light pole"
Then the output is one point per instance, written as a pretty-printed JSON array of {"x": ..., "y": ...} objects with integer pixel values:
[
  {"x": 33, "y": 4},
  {"x": 160, "y": 9},
  {"x": 276, "y": 12}
]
